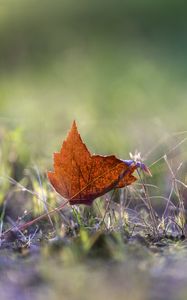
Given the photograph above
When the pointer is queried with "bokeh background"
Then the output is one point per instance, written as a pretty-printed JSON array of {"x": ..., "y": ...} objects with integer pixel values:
[{"x": 118, "y": 67}]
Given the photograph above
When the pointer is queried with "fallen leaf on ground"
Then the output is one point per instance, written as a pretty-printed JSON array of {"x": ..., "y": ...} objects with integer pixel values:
[{"x": 81, "y": 177}]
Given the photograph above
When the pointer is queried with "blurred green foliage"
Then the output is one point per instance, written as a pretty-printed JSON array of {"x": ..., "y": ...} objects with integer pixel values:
[
  {"x": 117, "y": 67},
  {"x": 14, "y": 156}
]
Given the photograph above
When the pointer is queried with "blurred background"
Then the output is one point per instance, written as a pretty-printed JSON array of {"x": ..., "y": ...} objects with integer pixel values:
[{"x": 117, "y": 67}]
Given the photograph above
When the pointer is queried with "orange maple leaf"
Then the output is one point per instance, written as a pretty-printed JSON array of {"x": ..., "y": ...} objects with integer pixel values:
[{"x": 81, "y": 177}]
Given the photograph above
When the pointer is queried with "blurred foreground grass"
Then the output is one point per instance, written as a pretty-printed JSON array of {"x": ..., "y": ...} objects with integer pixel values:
[{"x": 142, "y": 275}]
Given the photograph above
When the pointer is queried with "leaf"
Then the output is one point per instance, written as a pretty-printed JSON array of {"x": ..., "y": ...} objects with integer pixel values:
[{"x": 81, "y": 177}]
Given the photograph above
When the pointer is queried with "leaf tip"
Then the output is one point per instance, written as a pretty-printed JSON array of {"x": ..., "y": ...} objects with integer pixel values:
[{"x": 74, "y": 124}]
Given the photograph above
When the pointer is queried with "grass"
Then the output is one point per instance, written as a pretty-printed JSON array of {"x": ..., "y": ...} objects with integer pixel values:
[{"x": 128, "y": 211}]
